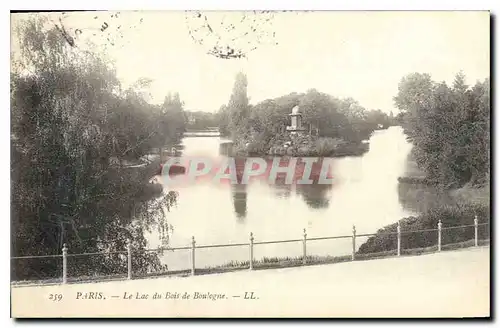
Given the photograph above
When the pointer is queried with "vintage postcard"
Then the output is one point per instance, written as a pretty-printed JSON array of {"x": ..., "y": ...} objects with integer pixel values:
[{"x": 257, "y": 164}]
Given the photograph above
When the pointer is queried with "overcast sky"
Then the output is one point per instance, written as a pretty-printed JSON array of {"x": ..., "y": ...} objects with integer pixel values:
[{"x": 362, "y": 55}]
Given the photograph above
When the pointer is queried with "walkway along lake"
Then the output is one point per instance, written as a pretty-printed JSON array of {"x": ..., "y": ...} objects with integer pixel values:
[{"x": 364, "y": 193}]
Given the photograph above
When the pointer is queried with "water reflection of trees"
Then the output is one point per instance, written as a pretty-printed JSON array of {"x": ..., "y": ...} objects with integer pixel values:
[
  {"x": 281, "y": 188},
  {"x": 419, "y": 198},
  {"x": 239, "y": 193},
  {"x": 315, "y": 195}
]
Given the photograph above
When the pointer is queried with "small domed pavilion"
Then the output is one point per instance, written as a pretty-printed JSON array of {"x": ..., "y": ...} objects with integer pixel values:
[{"x": 296, "y": 124}]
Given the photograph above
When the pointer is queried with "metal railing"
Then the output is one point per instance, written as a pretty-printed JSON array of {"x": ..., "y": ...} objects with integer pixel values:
[{"x": 252, "y": 243}]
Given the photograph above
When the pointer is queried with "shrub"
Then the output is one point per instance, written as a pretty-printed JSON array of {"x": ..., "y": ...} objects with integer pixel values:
[
  {"x": 450, "y": 216},
  {"x": 326, "y": 146}
]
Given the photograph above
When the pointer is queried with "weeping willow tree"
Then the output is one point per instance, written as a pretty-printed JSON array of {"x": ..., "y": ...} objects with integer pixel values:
[{"x": 74, "y": 133}]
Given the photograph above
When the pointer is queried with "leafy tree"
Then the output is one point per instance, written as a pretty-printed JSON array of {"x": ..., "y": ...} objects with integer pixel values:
[
  {"x": 173, "y": 109},
  {"x": 322, "y": 111},
  {"x": 74, "y": 135},
  {"x": 223, "y": 120},
  {"x": 239, "y": 108},
  {"x": 414, "y": 98},
  {"x": 449, "y": 128},
  {"x": 198, "y": 120}
]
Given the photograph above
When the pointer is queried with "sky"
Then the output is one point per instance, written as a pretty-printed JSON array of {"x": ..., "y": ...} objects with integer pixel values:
[{"x": 362, "y": 55}]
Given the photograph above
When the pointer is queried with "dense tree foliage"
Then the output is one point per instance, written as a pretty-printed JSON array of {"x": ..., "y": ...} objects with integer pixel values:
[
  {"x": 323, "y": 116},
  {"x": 173, "y": 112},
  {"x": 222, "y": 117},
  {"x": 449, "y": 127},
  {"x": 199, "y": 120},
  {"x": 239, "y": 107},
  {"x": 77, "y": 144}
]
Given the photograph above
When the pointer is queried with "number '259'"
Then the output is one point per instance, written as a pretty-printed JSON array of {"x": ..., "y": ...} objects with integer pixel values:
[{"x": 55, "y": 297}]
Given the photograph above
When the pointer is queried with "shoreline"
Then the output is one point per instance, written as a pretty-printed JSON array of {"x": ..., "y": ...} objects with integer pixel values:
[
  {"x": 416, "y": 180},
  {"x": 464, "y": 205},
  {"x": 302, "y": 145},
  {"x": 347, "y": 150}
]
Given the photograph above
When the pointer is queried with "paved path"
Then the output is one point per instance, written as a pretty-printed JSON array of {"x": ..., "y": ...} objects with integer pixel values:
[{"x": 448, "y": 284}]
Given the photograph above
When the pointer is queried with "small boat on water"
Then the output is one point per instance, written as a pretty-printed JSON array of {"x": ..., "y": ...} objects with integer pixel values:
[
  {"x": 174, "y": 169},
  {"x": 174, "y": 151}
]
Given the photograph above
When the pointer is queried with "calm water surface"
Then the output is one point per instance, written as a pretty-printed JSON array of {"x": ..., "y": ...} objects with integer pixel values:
[{"x": 364, "y": 193}]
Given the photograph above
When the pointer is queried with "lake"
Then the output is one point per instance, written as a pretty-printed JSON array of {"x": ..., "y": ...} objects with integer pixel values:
[{"x": 364, "y": 193}]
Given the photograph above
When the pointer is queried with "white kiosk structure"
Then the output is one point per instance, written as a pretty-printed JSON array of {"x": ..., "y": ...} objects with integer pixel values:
[{"x": 296, "y": 125}]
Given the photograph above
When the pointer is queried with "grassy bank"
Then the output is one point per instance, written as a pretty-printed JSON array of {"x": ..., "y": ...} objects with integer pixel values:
[
  {"x": 472, "y": 194},
  {"x": 456, "y": 220}
]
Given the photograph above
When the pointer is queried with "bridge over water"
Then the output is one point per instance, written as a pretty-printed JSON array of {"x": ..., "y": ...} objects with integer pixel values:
[{"x": 209, "y": 132}]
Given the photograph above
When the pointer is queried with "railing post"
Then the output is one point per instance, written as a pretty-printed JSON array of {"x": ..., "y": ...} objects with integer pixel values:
[
  {"x": 251, "y": 251},
  {"x": 129, "y": 258},
  {"x": 399, "y": 239},
  {"x": 193, "y": 247},
  {"x": 439, "y": 235},
  {"x": 65, "y": 263},
  {"x": 304, "y": 249},
  {"x": 475, "y": 231},
  {"x": 353, "y": 242}
]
